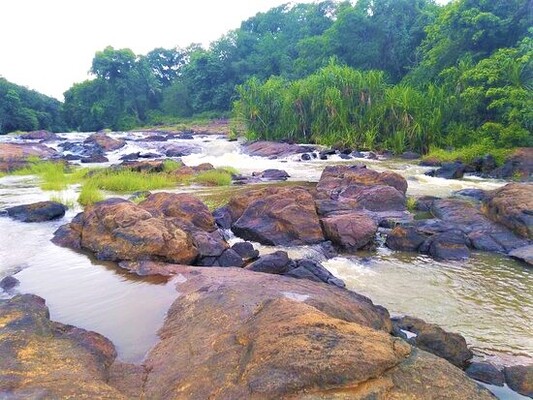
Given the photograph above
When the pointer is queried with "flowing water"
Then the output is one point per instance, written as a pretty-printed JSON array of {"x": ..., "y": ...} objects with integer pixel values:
[{"x": 488, "y": 298}]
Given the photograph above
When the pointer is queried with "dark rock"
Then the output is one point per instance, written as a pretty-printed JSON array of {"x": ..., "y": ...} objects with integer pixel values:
[
  {"x": 185, "y": 136},
  {"x": 430, "y": 162},
  {"x": 39, "y": 135},
  {"x": 230, "y": 258},
  {"x": 520, "y": 379},
  {"x": 149, "y": 268},
  {"x": 488, "y": 164},
  {"x": 410, "y": 155},
  {"x": 524, "y": 254},
  {"x": 37, "y": 212},
  {"x": 326, "y": 249},
  {"x": 94, "y": 159},
  {"x": 405, "y": 238},
  {"x": 432, "y": 338},
  {"x": 150, "y": 167},
  {"x": 272, "y": 175},
  {"x": 8, "y": 283},
  {"x": 371, "y": 156},
  {"x": 476, "y": 194},
  {"x": 449, "y": 245},
  {"x": 303, "y": 273},
  {"x": 245, "y": 250},
  {"x": 518, "y": 166},
  {"x": 276, "y": 216},
  {"x": 451, "y": 170},
  {"x": 424, "y": 203},
  {"x": 222, "y": 217},
  {"x": 317, "y": 270},
  {"x": 512, "y": 206},
  {"x": 375, "y": 198},
  {"x": 322, "y": 156},
  {"x": 351, "y": 231},
  {"x": 357, "y": 154},
  {"x": 305, "y": 157},
  {"x": 275, "y": 263},
  {"x": 485, "y": 372},
  {"x": 71, "y": 157},
  {"x": 344, "y": 156},
  {"x": 180, "y": 151},
  {"x": 131, "y": 156}
]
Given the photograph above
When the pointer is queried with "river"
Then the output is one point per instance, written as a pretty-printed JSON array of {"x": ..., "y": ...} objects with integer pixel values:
[{"x": 487, "y": 298}]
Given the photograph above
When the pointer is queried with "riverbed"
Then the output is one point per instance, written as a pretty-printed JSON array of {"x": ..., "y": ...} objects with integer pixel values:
[{"x": 487, "y": 298}]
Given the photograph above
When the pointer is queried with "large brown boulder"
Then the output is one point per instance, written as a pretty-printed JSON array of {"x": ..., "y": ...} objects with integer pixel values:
[
  {"x": 239, "y": 334},
  {"x": 350, "y": 231},
  {"x": 374, "y": 198},
  {"x": 165, "y": 227},
  {"x": 105, "y": 142},
  {"x": 341, "y": 176},
  {"x": 41, "y": 359},
  {"x": 512, "y": 206},
  {"x": 39, "y": 135},
  {"x": 279, "y": 216},
  {"x": 14, "y": 155}
]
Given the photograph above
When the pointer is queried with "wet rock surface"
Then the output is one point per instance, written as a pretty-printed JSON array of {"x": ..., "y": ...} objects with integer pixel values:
[
  {"x": 434, "y": 339},
  {"x": 350, "y": 231},
  {"x": 15, "y": 155},
  {"x": 44, "y": 359},
  {"x": 105, "y": 142},
  {"x": 37, "y": 212},
  {"x": 485, "y": 372},
  {"x": 275, "y": 149},
  {"x": 520, "y": 379},
  {"x": 39, "y": 135}
]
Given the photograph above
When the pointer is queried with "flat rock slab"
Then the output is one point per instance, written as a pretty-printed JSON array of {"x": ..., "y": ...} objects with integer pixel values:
[
  {"x": 275, "y": 149},
  {"x": 15, "y": 155}
]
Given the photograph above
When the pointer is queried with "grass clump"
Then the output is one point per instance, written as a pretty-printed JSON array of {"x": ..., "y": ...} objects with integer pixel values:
[
  {"x": 411, "y": 204},
  {"x": 215, "y": 177},
  {"x": 52, "y": 174},
  {"x": 90, "y": 194},
  {"x": 130, "y": 181}
]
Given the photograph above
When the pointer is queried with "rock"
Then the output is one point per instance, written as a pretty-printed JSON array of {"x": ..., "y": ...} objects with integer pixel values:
[
  {"x": 37, "y": 212},
  {"x": 14, "y": 156},
  {"x": 175, "y": 228},
  {"x": 230, "y": 258},
  {"x": 518, "y": 166},
  {"x": 317, "y": 270},
  {"x": 375, "y": 198},
  {"x": 512, "y": 206},
  {"x": 434, "y": 339},
  {"x": 44, "y": 359},
  {"x": 410, "y": 155},
  {"x": 305, "y": 157},
  {"x": 405, "y": 238},
  {"x": 235, "y": 334},
  {"x": 488, "y": 164},
  {"x": 245, "y": 250},
  {"x": 148, "y": 268},
  {"x": 351, "y": 231},
  {"x": 222, "y": 217},
  {"x": 39, "y": 135},
  {"x": 524, "y": 254},
  {"x": 450, "y": 245},
  {"x": 105, "y": 142},
  {"x": 275, "y": 149},
  {"x": 130, "y": 156},
  {"x": 485, "y": 372},
  {"x": 175, "y": 150},
  {"x": 94, "y": 159},
  {"x": 274, "y": 263},
  {"x": 520, "y": 379},
  {"x": 139, "y": 196},
  {"x": 279, "y": 216},
  {"x": 424, "y": 203},
  {"x": 8, "y": 283},
  {"x": 476, "y": 194},
  {"x": 430, "y": 162},
  {"x": 449, "y": 170},
  {"x": 371, "y": 156},
  {"x": 339, "y": 177},
  {"x": 272, "y": 175}
]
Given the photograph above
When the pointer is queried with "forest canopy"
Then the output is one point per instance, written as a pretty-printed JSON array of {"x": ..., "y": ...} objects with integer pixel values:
[{"x": 397, "y": 74}]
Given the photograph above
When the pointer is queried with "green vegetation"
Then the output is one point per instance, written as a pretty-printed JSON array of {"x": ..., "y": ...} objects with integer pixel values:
[
  {"x": 469, "y": 153},
  {"x": 53, "y": 175},
  {"x": 90, "y": 194},
  {"x": 125, "y": 181},
  {"x": 411, "y": 204},
  {"x": 22, "y": 109},
  {"x": 215, "y": 177}
]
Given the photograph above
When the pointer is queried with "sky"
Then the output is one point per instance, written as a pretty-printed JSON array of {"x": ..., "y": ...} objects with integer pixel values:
[{"x": 47, "y": 45}]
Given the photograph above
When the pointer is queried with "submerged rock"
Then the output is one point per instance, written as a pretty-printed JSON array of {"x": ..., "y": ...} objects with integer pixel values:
[
  {"x": 434, "y": 339},
  {"x": 37, "y": 212},
  {"x": 8, "y": 283}
]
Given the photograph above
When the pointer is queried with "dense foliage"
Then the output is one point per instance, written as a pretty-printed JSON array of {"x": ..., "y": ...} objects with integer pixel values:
[
  {"x": 26, "y": 110},
  {"x": 397, "y": 74}
]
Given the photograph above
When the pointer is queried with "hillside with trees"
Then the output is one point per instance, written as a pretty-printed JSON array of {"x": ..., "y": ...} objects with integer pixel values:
[{"x": 27, "y": 110}]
